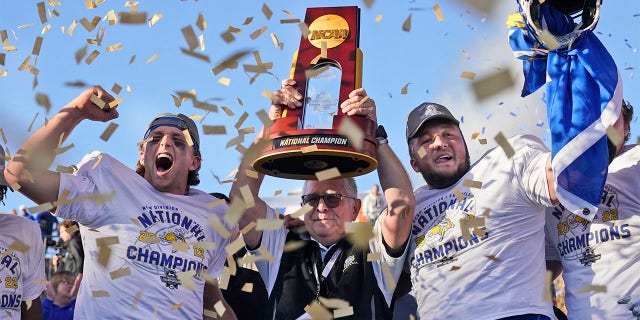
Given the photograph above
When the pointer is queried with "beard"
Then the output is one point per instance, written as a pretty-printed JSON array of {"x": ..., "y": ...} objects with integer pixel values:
[{"x": 444, "y": 180}]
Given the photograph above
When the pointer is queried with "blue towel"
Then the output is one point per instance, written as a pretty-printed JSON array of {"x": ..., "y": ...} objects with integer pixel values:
[{"x": 584, "y": 97}]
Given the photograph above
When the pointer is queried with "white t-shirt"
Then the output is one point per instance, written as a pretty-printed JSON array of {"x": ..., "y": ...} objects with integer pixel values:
[
  {"x": 143, "y": 246},
  {"x": 499, "y": 271},
  {"x": 372, "y": 205},
  {"x": 603, "y": 252},
  {"x": 21, "y": 273}
]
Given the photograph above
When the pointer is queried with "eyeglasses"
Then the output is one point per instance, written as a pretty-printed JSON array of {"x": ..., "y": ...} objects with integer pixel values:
[{"x": 331, "y": 200}]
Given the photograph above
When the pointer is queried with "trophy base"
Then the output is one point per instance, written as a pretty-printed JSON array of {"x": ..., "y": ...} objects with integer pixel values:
[{"x": 294, "y": 164}]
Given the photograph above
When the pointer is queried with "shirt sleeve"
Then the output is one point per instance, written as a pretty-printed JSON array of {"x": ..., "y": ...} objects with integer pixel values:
[
  {"x": 530, "y": 163},
  {"x": 387, "y": 270}
]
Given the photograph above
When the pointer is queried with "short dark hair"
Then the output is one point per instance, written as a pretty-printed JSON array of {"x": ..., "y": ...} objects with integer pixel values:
[
  {"x": 627, "y": 116},
  {"x": 3, "y": 193}
]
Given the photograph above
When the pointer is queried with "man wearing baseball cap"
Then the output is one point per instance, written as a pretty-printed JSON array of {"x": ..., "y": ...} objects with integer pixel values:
[
  {"x": 145, "y": 233},
  {"x": 478, "y": 229}
]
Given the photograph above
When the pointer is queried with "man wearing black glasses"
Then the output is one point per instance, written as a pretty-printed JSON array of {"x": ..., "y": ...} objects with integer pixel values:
[{"x": 319, "y": 271}]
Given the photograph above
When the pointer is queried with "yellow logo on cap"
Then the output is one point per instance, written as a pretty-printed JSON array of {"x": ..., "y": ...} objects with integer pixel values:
[{"x": 331, "y": 28}]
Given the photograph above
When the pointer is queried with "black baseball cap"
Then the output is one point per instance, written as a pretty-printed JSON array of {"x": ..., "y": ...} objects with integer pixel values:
[
  {"x": 179, "y": 121},
  {"x": 425, "y": 112}
]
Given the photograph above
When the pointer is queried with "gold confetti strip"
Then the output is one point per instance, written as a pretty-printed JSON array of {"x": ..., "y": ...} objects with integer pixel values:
[
  {"x": 186, "y": 278},
  {"x": 107, "y": 241},
  {"x": 114, "y": 103},
  {"x": 47, "y": 206},
  {"x": 36, "y": 47},
  {"x": 132, "y": 17},
  {"x": 201, "y": 23},
  {"x": 100, "y": 294},
  {"x": 91, "y": 57},
  {"x": 266, "y": 11},
  {"x": 241, "y": 120},
  {"x": 254, "y": 35},
  {"x": 302, "y": 211},
  {"x": 104, "y": 255},
  {"x": 269, "y": 224},
  {"x": 283, "y": 21},
  {"x": 251, "y": 173},
  {"x": 43, "y": 100},
  {"x": 215, "y": 203},
  {"x": 505, "y": 145},
  {"x": 354, "y": 134},
  {"x": 548, "y": 282},
  {"x": 42, "y": 14},
  {"x": 63, "y": 169},
  {"x": 210, "y": 313},
  {"x": 334, "y": 303},
  {"x": 99, "y": 158},
  {"x": 406, "y": 26},
  {"x": 128, "y": 89},
  {"x": 156, "y": 17},
  {"x": 97, "y": 101},
  {"x": 219, "y": 307},
  {"x": 228, "y": 111},
  {"x": 492, "y": 84},
  {"x": 187, "y": 137},
  {"x": 190, "y": 37},
  {"x": 132, "y": 59},
  {"x": 122, "y": 272},
  {"x": 311, "y": 148},
  {"x": 112, "y": 17},
  {"x": 24, "y": 63},
  {"x": 304, "y": 29},
  {"x": 493, "y": 258},
  {"x": 207, "y": 130},
  {"x": 454, "y": 268},
  {"x": 179, "y": 246},
  {"x": 106, "y": 135},
  {"x": 3, "y": 73},
  {"x": 234, "y": 246},
  {"x": 312, "y": 73},
  {"x": 458, "y": 194},
  {"x": 17, "y": 245},
  {"x": 422, "y": 152},
  {"x": 247, "y": 287},
  {"x": 153, "y": 57},
  {"x": 230, "y": 62},
  {"x": 475, "y": 135},
  {"x": 293, "y": 246},
  {"x": 378, "y": 18},
  {"x": 217, "y": 225},
  {"x": 247, "y": 196},
  {"x": 115, "y": 47},
  {"x": 343, "y": 312},
  {"x": 4, "y": 138},
  {"x": 438, "y": 12},
  {"x": 247, "y": 21},
  {"x": 177, "y": 306},
  {"x": 472, "y": 184},
  {"x": 482, "y": 141},
  {"x": 72, "y": 229},
  {"x": 248, "y": 227},
  {"x": 359, "y": 233},
  {"x": 468, "y": 75},
  {"x": 317, "y": 311},
  {"x": 374, "y": 256},
  {"x": 328, "y": 174},
  {"x": 224, "y": 81},
  {"x": 593, "y": 288}
]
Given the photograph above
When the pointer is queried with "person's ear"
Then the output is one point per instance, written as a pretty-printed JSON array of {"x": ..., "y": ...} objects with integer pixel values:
[{"x": 356, "y": 208}]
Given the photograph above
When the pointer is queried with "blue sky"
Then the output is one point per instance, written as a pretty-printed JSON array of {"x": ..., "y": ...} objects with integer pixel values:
[{"x": 429, "y": 58}]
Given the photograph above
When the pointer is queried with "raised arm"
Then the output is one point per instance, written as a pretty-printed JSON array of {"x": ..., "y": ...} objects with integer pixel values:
[
  {"x": 286, "y": 97},
  {"x": 29, "y": 166},
  {"x": 394, "y": 180}
]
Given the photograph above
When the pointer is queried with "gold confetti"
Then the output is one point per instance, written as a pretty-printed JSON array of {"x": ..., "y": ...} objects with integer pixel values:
[
  {"x": 493, "y": 258},
  {"x": 156, "y": 17},
  {"x": 190, "y": 36},
  {"x": 405, "y": 89},
  {"x": 548, "y": 282},
  {"x": 359, "y": 233},
  {"x": 42, "y": 14},
  {"x": 100, "y": 293},
  {"x": 153, "y": 57},
  {"x": 89, "y": 26},
  {"x": 177, "y": 306},
  {"x": 614, "y": 136},
  {"x": 475, "y": 135},
  {"x": 17, "y": 245},
  {"x": 482, "y": 141},
  {"x": 47, "y": 206},
  {"x": 63, "y": 169},
  {"x": 592, "y": 288},
  {"x": 248, "y": 227},
  {"x": 406, "y": 26},
  {"x": 219, "y": 307},
  {"x": 354, "y": 134},
  {"x": 454, "y": 268},
  {"x": 106, "y": 135},
  {"x": 122, "y": 272},
  {"x": 99, "y": 158},
  {"x": 266, "y": 11},
  {"x": 117, "y": 46},
  {"x": 224, "y": 81},
  {"x": 374, "y": 256},
  {"x": 438, "y": 12},
  {"x": 206, "y": 129},
  {"x": 114, "y": 103},
  {"x": 201, "y": 23},
  {"x": 468, "y": 75},
  {"x": 254, "y": 35},
  {"x": 492, "y": 84},
  {"x": 472, "y": 184},
  {"x": 91, "y": 57},
  {"x": 505, "y": 145},
  {"x": 328, "y": 174},
  {"x": 304, "y": 29},
  {"x": 132, "y": 17},
  {"x": 97, "y": 101},
  {"x": 112, "y": 17},
  {"x": 247, "y": 287},
  {"x": 186, "y": 278},
  {"x": 269, "y": 224},
  {"x": 458, "y": 194},
  {"x": 311, "y": 148},
  {"x": 187, "y": 137},
  {"x": 549, "y": 40},
  {"x": 343, "y": 312},
  {"x": 43, "y": 100},
  {"x": 36, "y": 47},
  {"x": 228, "y": 111},
  {"x": 234, "y": 246},
  {"x": 218, "y": 226},
  {"x": 422, "y": 152}
]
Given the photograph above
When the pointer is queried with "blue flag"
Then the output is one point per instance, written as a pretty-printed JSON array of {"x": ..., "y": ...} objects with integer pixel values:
[{"x": 584, "y": 97}]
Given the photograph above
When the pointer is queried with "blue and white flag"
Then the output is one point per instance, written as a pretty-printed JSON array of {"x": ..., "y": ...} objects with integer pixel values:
[{"x": 584, "y": 97}]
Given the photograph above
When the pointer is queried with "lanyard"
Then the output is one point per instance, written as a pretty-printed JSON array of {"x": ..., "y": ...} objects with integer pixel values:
[{"x": 325, "y": 270}]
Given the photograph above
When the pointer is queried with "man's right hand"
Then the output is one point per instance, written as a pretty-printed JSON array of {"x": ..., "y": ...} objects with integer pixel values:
[
  {"x": 286, "y": 97},
  {"x": 85, "y": 107}
]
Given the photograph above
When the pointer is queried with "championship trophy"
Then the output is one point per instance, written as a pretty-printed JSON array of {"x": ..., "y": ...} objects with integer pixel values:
[{"x": 310, "y": 139}]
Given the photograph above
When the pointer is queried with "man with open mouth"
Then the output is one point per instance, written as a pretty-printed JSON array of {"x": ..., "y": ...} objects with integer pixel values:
[{"x": 149, "y": 248}]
